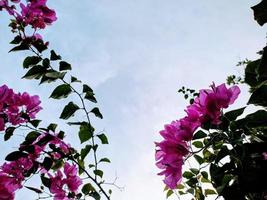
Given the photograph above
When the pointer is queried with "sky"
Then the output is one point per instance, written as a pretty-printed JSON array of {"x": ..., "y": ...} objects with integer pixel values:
[{"x": 136, "y": 54}]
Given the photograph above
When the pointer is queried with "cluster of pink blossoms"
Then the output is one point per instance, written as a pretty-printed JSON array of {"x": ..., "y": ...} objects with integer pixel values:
[
  {"x": 206, "y": 108},
  {"x": 16, "y": 108},
  {"x": 13, "y": 173},
  {"x": 33, "y": 12},
  {"x": 71, "y": 180}
]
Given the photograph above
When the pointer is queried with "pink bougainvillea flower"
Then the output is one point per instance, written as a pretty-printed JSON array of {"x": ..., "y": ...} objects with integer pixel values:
[
  {"x": 210, "y": 102},
  {"x": 8, "y": 186},
  {"x": 73, "y": 181},
  {"x": 206, "y": 107},
  {"x": 37, "y": 14}
]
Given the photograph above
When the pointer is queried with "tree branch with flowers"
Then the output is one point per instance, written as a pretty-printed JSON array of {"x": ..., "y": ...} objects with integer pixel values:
[
  {"x": 63, "y": 170},
  {"x": 227, "y": 149}
]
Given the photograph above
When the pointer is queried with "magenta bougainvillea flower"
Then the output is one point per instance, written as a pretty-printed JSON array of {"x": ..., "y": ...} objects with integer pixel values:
[
  {"x": 14, "y": 107},
  {"x": 206, "y": 107},
  {"x": 37, "y": 14},
  {"x": 58, "y": 181}
]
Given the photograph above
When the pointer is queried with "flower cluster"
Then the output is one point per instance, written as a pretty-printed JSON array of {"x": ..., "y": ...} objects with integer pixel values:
[
  {"x": 206, "y": 108},
  {"x": 34, "y": 13},
  {"x": 71, "y": 180},
  {"x": 16, "y": 108},
  {"x": 31, "y": 159}
]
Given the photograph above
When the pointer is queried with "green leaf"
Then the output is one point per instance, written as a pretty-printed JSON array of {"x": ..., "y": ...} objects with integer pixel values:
[
  {"x": 260, "y": 12},
  {"x": 31, "y": 61},
  {"x": 54, "y": 56},
  {"x": 16, "y": 40},
  {"x": 95, "y": 195},
  {"x": 199, "y": 134},
  {"x": 99, "y": 173},
  {"x": 39, "y": 45},
  {"x": 32, "y": 136},
  {"x": 9, "y": 132},
  {"x": 15, "y": 156},
  {"x": 90, "y": 96},
  {"x": 69, "y": 110},
  {"x": 194, "y": 170},
  {"x": 103, "y": 138},
  {"x": 21, "y": 47},
  {"x": 188, "y": 174},
  {"x": 97, "y": 112},
  {"x": 254, "y": 120},
  {"x": 86, "y": 132},
  {"x": 87, "y": 189},
  {"x": 35, "y": 72},
  {"x": 55, "y": 75},
  {"x": 209, "y": 192},
  {"x": 104, "y": 160},
  {"x": 35, "y": 122},
  {"x": 61, "y": 91},
  {"x": 198, "y": 144},
  {"x": 46, "y": 181},
  {"x": 251, "y": 73},
  {"x": 38, "y": 191},
  {"x": 199, "y": 159},
  {"x": 85, "y": 151},
  {"x": 169, "y": 193},
  {"x": 47, "y": 163},
  {"x": 52, "y": 127},
  {"x": 87, "y": 88},
  {"x": 259, "y": 96},
  {"x": 232, "y": 115},
  {"x": 74, "y": 79},
  {"x": 262, "y": 70},
  {"x": 64, "y": 66},
  {"x": 205, "y": 174}
]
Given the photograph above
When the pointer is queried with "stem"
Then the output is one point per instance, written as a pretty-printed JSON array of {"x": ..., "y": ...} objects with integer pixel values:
[{"x": 88, "y": 120}]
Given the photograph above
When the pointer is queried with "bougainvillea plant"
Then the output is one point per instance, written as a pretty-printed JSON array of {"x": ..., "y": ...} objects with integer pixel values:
[
  {"x": 64, "y": 171},
  {"x": 227, "y": 150}
]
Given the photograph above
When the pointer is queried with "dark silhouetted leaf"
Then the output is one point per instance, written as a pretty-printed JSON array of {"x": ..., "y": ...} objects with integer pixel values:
[
  {"x": 69, "y": 110},
  {"x": 61, "y": 91}
]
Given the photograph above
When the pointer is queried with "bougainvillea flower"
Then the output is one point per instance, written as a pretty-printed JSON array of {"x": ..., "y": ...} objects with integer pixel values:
[{"x": 37, "y": 14}]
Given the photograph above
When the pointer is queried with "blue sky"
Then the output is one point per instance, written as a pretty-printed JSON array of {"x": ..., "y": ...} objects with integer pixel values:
[{"x": 136, "y": 54}]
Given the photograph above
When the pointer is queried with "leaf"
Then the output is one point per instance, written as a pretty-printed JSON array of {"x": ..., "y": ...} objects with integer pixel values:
[
  {"x": 260, "y": 12},
  {"x": 32, "y": 136},
  {"x": 104, "y": 160},
  {"x": 39, "y": 45},
  {"x": 199, "y": 134},
  {"x": 103, "y": 138},
  {"x": 61, "y": 91},
  {"x": 9, "y": 132},
  {"x": 199, "y": 159},
  {"x": 259, "y": 96},
  {"x": 69, "y": 110},
  {"x": 86, "y": 132},
  {"x": 232, "y": 115},
  {"x": 64, "y": 66},
  {"x": 205, "y": 174},
  {"x": 95, "y": 195},
  {"x": 52, "y": 127},
  {"x": 54, "y": 56},
  {"x": 198, "y": 144},
  {"x": 35, "y": 122},
  {"x": 21, "y": 47},
  {"x": 55, "y": 75},
  {"x": 85, "y": 151},
  {"x": 262, "y": 69},
  {"x": 87, "y": 88},
  {"x": 254, "y": 120},
  {"x": 38, "y": 191},
  {"x": 209, "y": 192},
  {"x": 188, "y": 174},
  {"x": 97, "y": 112},
  {"x": 194, "y": 170},
  {"x": 35, "y": 72},
  {"x": 46, "y": 181},
  {"x": 47, "y": 163},
  {"x": 87, "y": 189},
  {"x": 74, "y": 79},
  {"x": 251, "y": 73},
  {"x": 98, "y": 173},
  {"x": 16, "y": 40},
  {"x": 15, "y": 156},
  {"x": 169, "y": 193},
  {"x": 90, "y": 96},
  {"x": 31, "y": 61}
]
